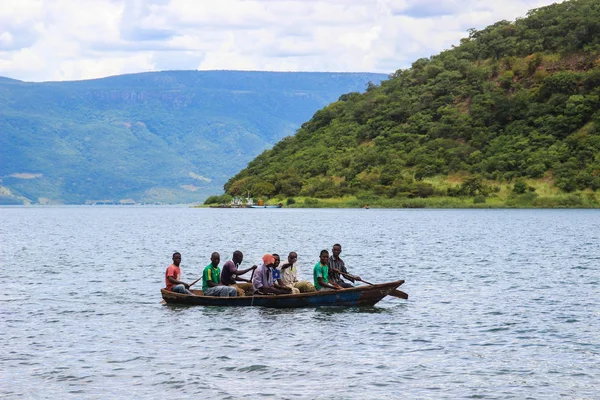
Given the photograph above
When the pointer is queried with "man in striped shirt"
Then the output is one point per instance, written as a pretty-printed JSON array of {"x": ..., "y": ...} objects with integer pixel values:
[{"x": 337, "y": 267}]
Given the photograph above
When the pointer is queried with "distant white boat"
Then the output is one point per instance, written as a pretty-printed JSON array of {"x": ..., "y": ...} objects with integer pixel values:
[
  {"x": 266, "y": 206},
  {"x": 248, "y": 202}
]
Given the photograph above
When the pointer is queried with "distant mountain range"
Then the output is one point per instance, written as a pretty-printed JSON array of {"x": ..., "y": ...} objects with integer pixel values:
[{"x": 160, "y": 137}]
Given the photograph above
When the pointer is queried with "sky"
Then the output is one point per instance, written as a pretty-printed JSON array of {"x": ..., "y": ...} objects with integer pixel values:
[{"x": 57, "y": 40}]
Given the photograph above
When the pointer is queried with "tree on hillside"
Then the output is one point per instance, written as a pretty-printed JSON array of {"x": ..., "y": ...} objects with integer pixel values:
[{"x": 514, "y": 100}]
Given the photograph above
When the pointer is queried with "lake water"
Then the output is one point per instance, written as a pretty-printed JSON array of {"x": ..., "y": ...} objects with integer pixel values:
[{"x": 504, "y": 304}]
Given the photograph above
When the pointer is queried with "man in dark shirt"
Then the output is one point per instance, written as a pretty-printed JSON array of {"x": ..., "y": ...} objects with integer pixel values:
[
  {"x": 336, "y": 266},
  {"x": 230, "y": 274}
]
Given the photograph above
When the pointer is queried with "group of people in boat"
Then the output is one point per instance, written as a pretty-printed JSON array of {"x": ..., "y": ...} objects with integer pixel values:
[{"x": 271, "y": 277}]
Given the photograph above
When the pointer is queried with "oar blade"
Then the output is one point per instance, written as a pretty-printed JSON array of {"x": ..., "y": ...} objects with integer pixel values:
[{"x": 399, "y": 294}]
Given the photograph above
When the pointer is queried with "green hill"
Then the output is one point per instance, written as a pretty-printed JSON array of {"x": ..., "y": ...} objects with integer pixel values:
[
  {"x": 514, "y": 107},
  {"x": 169, "y": 137}
]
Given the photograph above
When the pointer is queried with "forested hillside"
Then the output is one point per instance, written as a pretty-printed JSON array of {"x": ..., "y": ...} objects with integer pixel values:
[
  {"x": 167, "y": 137},
  {"x": 514, "y": 102}
]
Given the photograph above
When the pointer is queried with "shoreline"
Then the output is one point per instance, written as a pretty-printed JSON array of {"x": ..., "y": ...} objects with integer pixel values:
[{"x": 567, "y": 201}]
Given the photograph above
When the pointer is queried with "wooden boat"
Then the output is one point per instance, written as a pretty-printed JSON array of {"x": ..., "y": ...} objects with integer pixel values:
[
  {"x": 265, "y": 206},
  {"x": 367, "y": 295}
]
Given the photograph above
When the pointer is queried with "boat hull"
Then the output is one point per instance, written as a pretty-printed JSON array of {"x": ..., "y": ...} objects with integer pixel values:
[{"x": 352, "y": 297}]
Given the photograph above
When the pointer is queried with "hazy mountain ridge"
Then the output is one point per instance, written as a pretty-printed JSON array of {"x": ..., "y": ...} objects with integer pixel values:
[{"x": 149, "y": 136}]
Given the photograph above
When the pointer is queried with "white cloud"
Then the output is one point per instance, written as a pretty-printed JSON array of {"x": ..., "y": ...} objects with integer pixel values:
[
  {"x": 81, "y": 39},
  {"x": 6, "y": 39}
]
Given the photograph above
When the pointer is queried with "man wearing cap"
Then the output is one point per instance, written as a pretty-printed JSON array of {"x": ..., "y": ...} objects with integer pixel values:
[{"x": 263, "y": 282}]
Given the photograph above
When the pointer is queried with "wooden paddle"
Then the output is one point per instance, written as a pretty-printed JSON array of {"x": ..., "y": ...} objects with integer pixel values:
[
  {"x": 196, "y": 281},
  {"x": 396, "y": 293}
]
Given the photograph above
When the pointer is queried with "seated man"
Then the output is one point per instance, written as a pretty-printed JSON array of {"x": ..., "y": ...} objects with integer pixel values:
[
  {"x": 289, "y": 275},
  {"x": 262, "y": 281},
  {"x": 321, "y": 274},
  {"x": 337, "y": 268},
  {"x": 276, "y": 272},
  {"x": 211, "y": 279},
  {"x": 230, "y": 276},
  {"x": 172, "y": 276},
  {"x": 277, "y": 277}
]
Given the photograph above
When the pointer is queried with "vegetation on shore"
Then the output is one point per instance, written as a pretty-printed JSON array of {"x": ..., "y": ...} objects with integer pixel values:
[
  {"x": 522, "y": 193},
  {"x": 509, "y": 118}
]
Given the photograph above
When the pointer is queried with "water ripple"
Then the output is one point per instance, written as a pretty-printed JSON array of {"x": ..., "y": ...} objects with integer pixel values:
[{"x": 503, "y": 305}]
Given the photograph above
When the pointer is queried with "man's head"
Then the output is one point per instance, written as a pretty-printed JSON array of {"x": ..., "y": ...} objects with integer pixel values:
[
  {"x": 336, "y": 250},
  {"x": 238, "y": 257},
  {"x": 177, "y": 258},
  {"x": 268, "y": 259},
  {"x": 292, "y": 257},
  {"x": 215, "y": 259},
  {"x": 324, "y": 256},
  {"x": 277, "y": 260}
]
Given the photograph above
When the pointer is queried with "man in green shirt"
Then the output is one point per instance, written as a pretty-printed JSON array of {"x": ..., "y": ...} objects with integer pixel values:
[
  {"x": 321, "y": 274},
  {"x": 211, "y": 279}
]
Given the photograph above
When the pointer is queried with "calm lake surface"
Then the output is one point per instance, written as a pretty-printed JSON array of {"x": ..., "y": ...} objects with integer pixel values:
[{"x": 504, "y": 304}]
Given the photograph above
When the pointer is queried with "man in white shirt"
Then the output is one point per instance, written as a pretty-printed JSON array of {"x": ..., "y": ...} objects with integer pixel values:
[{"x": 289, "y": 276}]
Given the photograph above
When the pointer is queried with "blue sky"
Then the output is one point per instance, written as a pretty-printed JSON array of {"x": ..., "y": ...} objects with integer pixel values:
[{"x": 42, "y": 40}]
